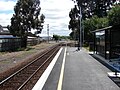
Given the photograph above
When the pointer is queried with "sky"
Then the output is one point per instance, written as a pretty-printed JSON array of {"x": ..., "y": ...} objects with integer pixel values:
[{"x": 56, "y": 15}]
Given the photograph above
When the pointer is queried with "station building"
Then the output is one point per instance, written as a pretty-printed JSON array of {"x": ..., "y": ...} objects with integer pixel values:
[
  {"x": 10, "y": 43},
  {"x": 7, "y": 41}
]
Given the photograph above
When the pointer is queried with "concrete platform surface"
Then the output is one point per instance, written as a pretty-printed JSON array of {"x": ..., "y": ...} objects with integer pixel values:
[
  {"x": 83, "y": 72},
  {"x": 80, "y": 71}
]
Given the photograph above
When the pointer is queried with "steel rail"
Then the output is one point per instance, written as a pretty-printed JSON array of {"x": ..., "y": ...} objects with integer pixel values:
[
  {"x": 37, "y": 70},
  {"x": 5, "y": 80}
]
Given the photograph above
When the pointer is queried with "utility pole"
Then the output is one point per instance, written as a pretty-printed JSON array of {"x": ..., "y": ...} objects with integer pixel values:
[
  {"x": 48, "y": 32},
  {"x": 80, "y": 32},
  {"x": 80, "y": 29},
  {"x": 83, "y": 33}
]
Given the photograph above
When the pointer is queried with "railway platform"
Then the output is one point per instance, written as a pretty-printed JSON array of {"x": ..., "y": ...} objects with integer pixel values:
[{"x": 75, "y": 70}]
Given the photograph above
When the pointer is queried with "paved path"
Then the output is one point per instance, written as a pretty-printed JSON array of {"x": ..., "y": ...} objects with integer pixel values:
[{"x": 81, "y": 72}]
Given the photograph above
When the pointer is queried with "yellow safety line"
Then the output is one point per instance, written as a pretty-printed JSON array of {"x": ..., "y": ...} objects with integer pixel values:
[{"x": 62, "y": 72}]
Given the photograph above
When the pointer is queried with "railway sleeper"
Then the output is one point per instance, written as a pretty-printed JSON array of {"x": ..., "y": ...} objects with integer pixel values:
[
  {"x": 15, "y": 85},
  {"x": 7, "y": 88}
]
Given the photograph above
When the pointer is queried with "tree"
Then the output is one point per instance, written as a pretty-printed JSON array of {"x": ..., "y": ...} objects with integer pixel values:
[
  {"x": 56, "y": 37},
  {"x": 114, "y": 16},
  {"x": 95, "y": 7},
  {"x": 64, "y": 37},
  {"x": 74, "y": 19},
  {"x": 92, "y": 24},
  {"x": 74, "y": 35},
  {"x": 94, "y": 14},
  {"x": 26, "y": 17},
  {"x": 74, "y": 23}
]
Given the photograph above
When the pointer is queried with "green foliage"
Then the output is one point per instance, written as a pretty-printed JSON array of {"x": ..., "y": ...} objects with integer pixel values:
[
  {"x": 114, "y": 16},
  {"x": 95, "y": 7},
  {"x": 93, "y": 24},
  {"x": 56, "y": 37},
  {"x": 74, "y": 19},
  {"x": 74, "y": 35},
  {"x": 26, "y": 17},
  {"x": 71, "y": 35},
  {"x": 91, "y": 10},
  {"x": 74, "y": 23},
  {"x": 64, "y": 37},
  {"x": 94, "y": 13}
]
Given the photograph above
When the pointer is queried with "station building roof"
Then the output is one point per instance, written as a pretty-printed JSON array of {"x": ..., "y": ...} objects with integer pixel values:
[{"x": 7, "y": 36}]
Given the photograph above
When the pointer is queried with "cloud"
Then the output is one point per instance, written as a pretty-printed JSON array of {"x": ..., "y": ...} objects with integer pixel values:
[
  {"x": 57, "y": 15},
  {"x": 5, "y": 19},
  {"x": 6, "y": 11},
  {"x": 55, "y": 11},
  {"x": 7, "y": 5}
]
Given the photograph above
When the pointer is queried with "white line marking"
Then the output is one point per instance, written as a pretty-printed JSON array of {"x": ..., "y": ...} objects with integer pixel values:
[
  {"x": 62, "y": 72},
  {"x": 40, "y": 83}
]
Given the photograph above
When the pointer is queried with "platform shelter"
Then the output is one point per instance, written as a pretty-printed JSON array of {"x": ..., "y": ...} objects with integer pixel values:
[{"x": 107, "y": 42}]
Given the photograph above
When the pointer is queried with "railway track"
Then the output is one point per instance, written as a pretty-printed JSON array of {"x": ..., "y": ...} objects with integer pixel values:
[{"x": 26, "y": 77}]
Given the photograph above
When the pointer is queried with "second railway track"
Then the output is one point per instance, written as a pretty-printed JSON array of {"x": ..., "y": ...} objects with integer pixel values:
[{"x": 26, "y": 77}]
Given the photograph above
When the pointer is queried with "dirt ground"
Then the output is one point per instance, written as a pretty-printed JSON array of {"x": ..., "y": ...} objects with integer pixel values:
[{"x": 11, "y": 59}]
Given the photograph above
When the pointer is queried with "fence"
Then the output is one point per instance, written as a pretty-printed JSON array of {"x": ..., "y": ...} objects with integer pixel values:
[
  {"x": 9, "y": 44},
  {"x": 31, "y": 41}
]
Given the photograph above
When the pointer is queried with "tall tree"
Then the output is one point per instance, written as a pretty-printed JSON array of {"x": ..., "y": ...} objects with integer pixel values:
[
  {"x": 74, "y": 23},
  {"x": 56, "y": 37},
  {"x": 93, "y": 24},
  {"x": 90, "y": 8},
  {"x": 74, "y": 19},
  {"x": 95, "y": 7},
  {"x": 26, "y": 17}
]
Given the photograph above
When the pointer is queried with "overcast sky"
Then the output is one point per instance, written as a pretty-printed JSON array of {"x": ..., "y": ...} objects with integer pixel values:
[{"x": 55, "y": 11}]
